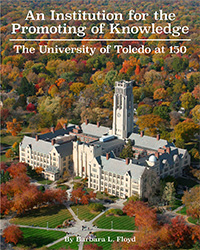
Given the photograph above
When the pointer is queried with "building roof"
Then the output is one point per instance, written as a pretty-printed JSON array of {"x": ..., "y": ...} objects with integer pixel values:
[
  {"x": 170, "y": 158},
  {"x": 152, "y": 158},
  {"x": 59, "y": 132},
  {"x": 119, "y": 166},
  {"x": 65, "y": 149},
  {"x": 94, "y": 130},
  {"x": 52, "y": 170},
  {"x": 45, "y": 147},
  {"x": 148, "y": 142},
  {"x": 108, "y": 145},
  {"x": 41, "y": 146}
]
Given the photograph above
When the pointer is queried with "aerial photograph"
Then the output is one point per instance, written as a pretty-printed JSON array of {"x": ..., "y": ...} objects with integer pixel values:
[{"x": 100, "y": 122}]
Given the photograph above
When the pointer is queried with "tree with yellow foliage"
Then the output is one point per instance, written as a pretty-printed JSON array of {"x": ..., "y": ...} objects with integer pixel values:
[
  {"x": 150, "y": 123},
  {"x": 77, "y": 87}
]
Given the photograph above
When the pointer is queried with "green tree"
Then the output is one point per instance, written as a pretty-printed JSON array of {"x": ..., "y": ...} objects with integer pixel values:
[
  {"x": 169, "y": 193},
  {"x": 26, "y": 88},
  {"x": 179, "y": 64},
  {"x": 127, "y": 151},
  {"x": 144, "y": 109},
  {"x": 162, "y": 111}
]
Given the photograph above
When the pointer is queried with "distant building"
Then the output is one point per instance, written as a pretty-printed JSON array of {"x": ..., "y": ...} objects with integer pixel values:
[{"x": 92, "y": 151}]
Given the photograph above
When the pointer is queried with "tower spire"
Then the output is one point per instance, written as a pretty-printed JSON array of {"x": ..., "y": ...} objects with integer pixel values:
[{"x": 123, "y": 109}]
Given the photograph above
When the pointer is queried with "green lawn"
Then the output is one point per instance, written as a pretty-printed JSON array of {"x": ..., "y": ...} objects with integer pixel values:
[
  {"x": 190, "y": 219},
  {"x": 43, "y": 181},
  {"x": 3, "y": 158},
  {"x": 36, "y": 238},
  {"x": 65, "y": 245},
  {"x": 63, "y": 187},
  {"x": 10, "y": 140},
  {"x": 84, "y": 212},
  {"x": 121, "y": 222},
  {"x": 113, "y": 236},
  {"x": 176, "y": 204},
  {"x": 194, "y": 221},
  {"x": 182, "y": 211},
  {"x": 54, "y": 215}
]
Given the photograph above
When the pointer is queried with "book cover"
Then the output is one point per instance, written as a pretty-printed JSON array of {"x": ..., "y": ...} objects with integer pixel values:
[{"x": 100, "y": 125}]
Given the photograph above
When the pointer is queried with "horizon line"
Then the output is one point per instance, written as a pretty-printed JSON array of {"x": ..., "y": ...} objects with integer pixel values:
[{"x": 101, "y": 40}]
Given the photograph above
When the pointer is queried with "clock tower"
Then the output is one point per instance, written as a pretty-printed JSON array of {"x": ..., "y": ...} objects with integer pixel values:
[{"x": 123, "y": 109}]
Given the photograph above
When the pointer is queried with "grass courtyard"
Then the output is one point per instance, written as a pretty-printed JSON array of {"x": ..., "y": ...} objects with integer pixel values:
[
  {"x": 122, "y": 222},
  {"x": 182, "y": 211},
  {"x": 54, "y": 215},
  {"x": 36, "y": 238},
  {"x": 84, "y": 212},
  {"x": 190, "y": 219},
  {"x": 65, "y": 245},
  {"x": 113, "y": 236}
]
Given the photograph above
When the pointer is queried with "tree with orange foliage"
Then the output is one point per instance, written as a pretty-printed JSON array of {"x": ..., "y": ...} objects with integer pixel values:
[
  {"x": 85, "y": 199},
  {"x": 29, "y": 198},
  {"x": 179, "y": 232},
  {"x": 145, "y": 217},
  {"x": 160, "y": 94},
  {"x": 128, "y": 65},
  {"x": 9, "y": 153},
  {"x": 39, "y": 170},
  {"x": 92, "y": 247},
  {"x": 12, "y": 234},
  {"x": 60, "y": 123},
  {"x": 60, "y": 81},
  {"x": 53, "y": 90},
  {"x": 77, "y": 194},
  {"x": 13, "y": 127},
  {"x": 137, "y": 70},
  {"x": 196, "y": 92},
  {"x": 5, "y": 204},
  {"x": 191, "y": 199},
  {"x": 55, "y": 195},
  {"x": 17, "y": 169},
  {"x": 92, "y": 195}
]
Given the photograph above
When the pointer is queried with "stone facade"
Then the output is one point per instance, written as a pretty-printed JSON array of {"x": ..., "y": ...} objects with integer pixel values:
[{"x": 92, "y": 151}]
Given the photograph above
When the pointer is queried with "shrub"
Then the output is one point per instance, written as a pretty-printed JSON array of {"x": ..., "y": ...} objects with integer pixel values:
[
  {"x": 96, "y": 207},
  {"x": 113, "y": 211}
]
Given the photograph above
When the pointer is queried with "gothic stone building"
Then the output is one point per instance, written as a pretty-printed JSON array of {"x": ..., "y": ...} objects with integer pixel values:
[{"x": 92, "y": 151}]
